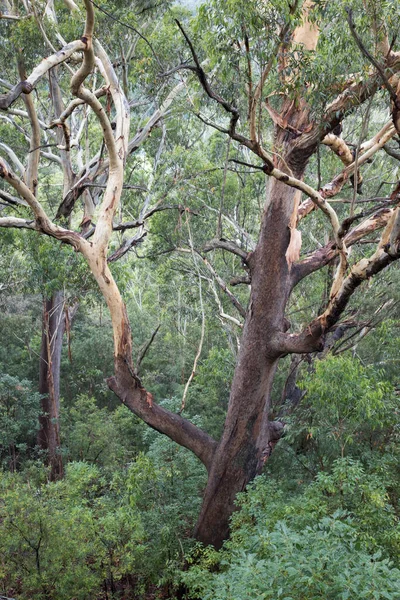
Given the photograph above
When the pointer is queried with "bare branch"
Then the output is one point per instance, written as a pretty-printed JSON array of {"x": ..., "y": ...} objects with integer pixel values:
[
  {"x": 126, "y": 246},
  {"x": 206, "y": 86},
  {"x": 388, "y": 251},
  {"x": 367, "y": 150},
  {"x": 225, "y": 245},
  {"x": 14, "y": 158},
  {"x": 180, "y": 430},
  {"x": 245, "y": 279},
  {"x": 379, "y": 219},
  {"x": 17, "y": 223},
  {"x": 6, "y": 197},
  {"x": 10, "y": 17},
  {"x": 140, "y": 222},
  {"x": 31, "y": 174},
  {"x": 143, "y": 351},
  {"x": 339, "y": 147},
  {"x": 24, "y": 115},
  {"x": 203, "y": 321},
  {"x": 224, "y": 287},
  {"x": 67, "y": 112},
  {"x": 222, "y": 313},
  {"x": 391, "y": 152},
  {"x": 43, "y": 222},
  {"x": 94, "y": 169},
  {"x": 26, "y": 87}
]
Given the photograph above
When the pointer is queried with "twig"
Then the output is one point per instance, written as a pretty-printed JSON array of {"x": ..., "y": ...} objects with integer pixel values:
[
  {"x": 221, "y": 204},
  {"x": 203, "y": 323},
  {"x": 145, "y": 348}
]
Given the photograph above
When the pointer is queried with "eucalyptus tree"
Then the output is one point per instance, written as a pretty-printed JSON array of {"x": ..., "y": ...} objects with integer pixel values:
[
  {"x": 297, "y": 66},
  {"x": 66, "y": 148}
]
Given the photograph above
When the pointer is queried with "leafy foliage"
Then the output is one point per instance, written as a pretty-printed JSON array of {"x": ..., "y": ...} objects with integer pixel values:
[
  {"x": 323, "y": 521},
  {"x": 19, "y": 412},
  {"x": 124, "y": 530},
  {"x": 331, "y": 540}
]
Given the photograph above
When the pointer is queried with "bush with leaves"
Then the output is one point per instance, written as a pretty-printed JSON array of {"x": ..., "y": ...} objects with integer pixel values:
[
  {"x": 348, "y": 410},
  {"x": 329, "y": 541},
  {"x": 19, "y": 412},
  {"x": 59, "y": 540},
  {"x": 124, "y": 524},
  {"x": 100, "y": 436}
]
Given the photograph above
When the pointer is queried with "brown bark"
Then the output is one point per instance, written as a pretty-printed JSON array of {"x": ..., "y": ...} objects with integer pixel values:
[
  {"x": 49, "y": 382},
  {"x": 244, "y": 446}
]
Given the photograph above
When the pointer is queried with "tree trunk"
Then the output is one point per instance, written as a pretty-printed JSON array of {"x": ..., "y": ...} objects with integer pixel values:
[
  {"x": 244, "y": 446},
  {"x": 53, "y": 326},
  {"x": 246, "y": 442}
]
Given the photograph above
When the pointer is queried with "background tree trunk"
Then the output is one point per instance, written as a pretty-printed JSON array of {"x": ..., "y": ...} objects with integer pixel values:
[{"x": 53, "y": 326}]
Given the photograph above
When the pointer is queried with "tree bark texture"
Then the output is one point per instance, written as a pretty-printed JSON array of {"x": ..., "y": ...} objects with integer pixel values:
[
  {"x": 49, "y": 381},
  {"x": 244, "y": 446}
]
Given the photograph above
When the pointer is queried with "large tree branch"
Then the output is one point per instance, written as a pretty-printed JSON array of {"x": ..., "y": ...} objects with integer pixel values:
[
  {"x": 95, "y": 169},
  {"x": 31, "y": 174},
  {"x": 13, "y": 200},
  {"x": 367, "y": 151},
  {"x": 229, "y": 108},
  {"x": 116, "y": 147},
  {"x": 324, "y": 255},
  {"x": 25, "y": 87},
  {"x": 42, "y": 221},
  {"x": 180, "y": 430},
  {"x": 311, "y": 339},
  {"x": 17, "y": 223},
  {"x": 126, "y": 246},
  {"x": 14, "y": 158},
  {"x": 58, "y": 106},
  {"x": 16, "y": 112},
  {"x": 391, "y": 152},
  {"x": 225, "y": 245}
]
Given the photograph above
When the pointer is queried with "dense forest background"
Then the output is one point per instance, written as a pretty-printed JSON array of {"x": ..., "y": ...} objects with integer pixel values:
[{"x": 107, "y": 507}]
